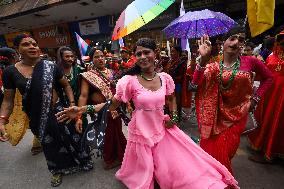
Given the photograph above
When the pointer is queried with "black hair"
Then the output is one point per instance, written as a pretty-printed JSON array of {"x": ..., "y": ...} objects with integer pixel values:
[
  {"x": 147, "y": 43},
  {"x": 233, "y": 31},
  {"x": 6, "y": 55},
  {"x": 269, "y": 43},
  {"x": 279, "y": 29},
  {"x": 60, "y": 52},
  {"x": 250, "y": 44},
  {"x": 178, "y": 49},
  {"x": 92, "y": 52},
  {"x": 17, "y": 40}
]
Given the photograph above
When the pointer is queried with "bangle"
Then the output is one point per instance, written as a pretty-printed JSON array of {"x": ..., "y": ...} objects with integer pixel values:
[
  {"x": 174, "y": 117},
  {"x": 91, "y": 109},
  {"x": 6, "y": 118}
]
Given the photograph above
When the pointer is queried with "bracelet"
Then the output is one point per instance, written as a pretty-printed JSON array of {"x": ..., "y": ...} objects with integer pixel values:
[
  {"x": 174, "y": 117},
  {"x": 91, "y": 109},
  {"x": 6, "y": 118}
]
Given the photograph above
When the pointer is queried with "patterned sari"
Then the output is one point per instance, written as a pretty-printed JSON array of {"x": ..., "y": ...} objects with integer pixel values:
[
  {"x": 222, "y": 114},
  {"x": 114, "y": 142},
  {"x": 60, "y": 142}
]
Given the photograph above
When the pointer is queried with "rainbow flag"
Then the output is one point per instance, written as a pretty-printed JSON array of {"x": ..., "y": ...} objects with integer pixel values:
[{"x": 82, "y": 45}]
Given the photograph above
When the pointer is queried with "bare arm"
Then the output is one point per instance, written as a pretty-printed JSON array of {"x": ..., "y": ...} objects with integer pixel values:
[
  {"x": 84, "y": 93},
  {"x": 68, "y": 90},
  {"x": 114, "y": 104},
  {"x": 173, "y": 109},
  {"x": 172, "y": 103}
]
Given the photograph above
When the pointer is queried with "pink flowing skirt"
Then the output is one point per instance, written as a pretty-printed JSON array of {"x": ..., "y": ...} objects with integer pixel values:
[{"x": 176, "y": 162}]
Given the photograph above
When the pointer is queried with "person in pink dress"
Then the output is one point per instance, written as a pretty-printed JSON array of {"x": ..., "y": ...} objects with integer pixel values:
[{"x": 156, "y": 148}]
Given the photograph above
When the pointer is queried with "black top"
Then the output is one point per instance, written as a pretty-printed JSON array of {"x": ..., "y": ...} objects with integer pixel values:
[{"x": 13, "y": 79}]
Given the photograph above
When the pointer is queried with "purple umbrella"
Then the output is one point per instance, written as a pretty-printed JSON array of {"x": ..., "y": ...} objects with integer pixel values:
[{"x": 198, "y": 23}]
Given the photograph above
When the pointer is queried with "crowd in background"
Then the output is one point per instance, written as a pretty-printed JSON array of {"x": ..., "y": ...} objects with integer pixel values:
[{"x": 93, "y": 81}]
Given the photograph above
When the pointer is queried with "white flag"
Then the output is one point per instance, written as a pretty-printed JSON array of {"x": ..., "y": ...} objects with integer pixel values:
[{"x": 181, "y": 10}]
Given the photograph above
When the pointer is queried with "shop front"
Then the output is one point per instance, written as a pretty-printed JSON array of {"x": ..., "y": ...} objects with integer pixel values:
[
  {"x": 95, "y": 31},
  {"x": 9, "y": 38}
]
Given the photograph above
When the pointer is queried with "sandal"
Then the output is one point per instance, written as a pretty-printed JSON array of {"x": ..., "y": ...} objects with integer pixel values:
[{"x": 56, "y": 180}]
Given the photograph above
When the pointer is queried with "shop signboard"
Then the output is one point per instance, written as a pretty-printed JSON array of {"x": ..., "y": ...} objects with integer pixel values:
[
  {"x": 52, "y": 36},
  {"x": 10, "y": 37},
  {"x": 90, "y": 27}
]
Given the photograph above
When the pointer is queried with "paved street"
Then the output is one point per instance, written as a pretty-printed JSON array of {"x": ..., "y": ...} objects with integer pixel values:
[{"x": 20, "y": 170}]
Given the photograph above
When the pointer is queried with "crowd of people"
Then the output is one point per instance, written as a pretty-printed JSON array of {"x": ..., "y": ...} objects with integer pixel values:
[{"x": 60, "y": 101}]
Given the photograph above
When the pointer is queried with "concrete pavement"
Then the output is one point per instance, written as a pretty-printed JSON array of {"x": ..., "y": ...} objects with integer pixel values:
[{"x": 20, "y": 170}]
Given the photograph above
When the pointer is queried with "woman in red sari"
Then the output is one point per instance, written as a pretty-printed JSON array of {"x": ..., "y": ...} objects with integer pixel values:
[
  {"x": 270, "y": 112},
  {"x": 225, "y": 95}
]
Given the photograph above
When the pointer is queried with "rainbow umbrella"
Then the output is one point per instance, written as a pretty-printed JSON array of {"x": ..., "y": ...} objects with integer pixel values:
[{"x": 137, "y": 14}]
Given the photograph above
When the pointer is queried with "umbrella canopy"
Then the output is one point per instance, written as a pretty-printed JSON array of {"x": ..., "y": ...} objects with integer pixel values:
[
  {"x": 137, "y": 14},
  {"x": 198, "y": 23}
]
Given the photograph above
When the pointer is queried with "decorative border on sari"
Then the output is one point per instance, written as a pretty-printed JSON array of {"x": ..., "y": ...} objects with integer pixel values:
[
  {"x": 47, "y": 81},
  {"x": 94, "y": 78}
]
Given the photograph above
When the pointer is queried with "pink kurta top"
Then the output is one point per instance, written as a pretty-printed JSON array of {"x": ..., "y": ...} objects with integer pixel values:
[{"x": 147, "y": 123}]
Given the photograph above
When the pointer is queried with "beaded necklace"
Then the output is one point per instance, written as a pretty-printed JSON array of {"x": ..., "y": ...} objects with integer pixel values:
[
  {"x": 232, "y": 77},
  {"x": 69, "y": 76},
  {"x": 148, "y": 79}
]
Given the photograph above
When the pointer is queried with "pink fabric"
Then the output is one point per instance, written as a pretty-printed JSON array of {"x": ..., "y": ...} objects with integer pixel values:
[
  {"x": 168, "y": 155},
  {"x": 249, "y": 64}
]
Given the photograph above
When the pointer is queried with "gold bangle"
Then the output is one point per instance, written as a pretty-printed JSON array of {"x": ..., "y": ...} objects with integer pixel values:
[{"x": 6, "y": 118}]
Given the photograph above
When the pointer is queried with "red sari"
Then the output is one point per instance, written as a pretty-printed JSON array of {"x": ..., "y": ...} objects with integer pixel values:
[
  {"x": 270, "y": 114},
  {"x": 222, "y": 114}
]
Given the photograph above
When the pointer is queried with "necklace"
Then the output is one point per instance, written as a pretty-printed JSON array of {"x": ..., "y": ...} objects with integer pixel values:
[
  {"x": 232, "y": 77},
  {"x": 229, "y": 67},
  {"x": 28, "y": 65},
  {"x": 69, "y": 76},
  {"x": 148, "y": 79}
]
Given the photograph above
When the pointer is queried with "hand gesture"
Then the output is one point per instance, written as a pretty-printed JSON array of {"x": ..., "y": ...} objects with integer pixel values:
[
  {"x": 69, "y": 113},
  {"x": 204, "y": 49},
  {"x": 79, "y": 125}
]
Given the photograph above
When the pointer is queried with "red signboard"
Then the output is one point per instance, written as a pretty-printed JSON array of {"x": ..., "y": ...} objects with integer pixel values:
[{"x": 52, "y": 36}]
